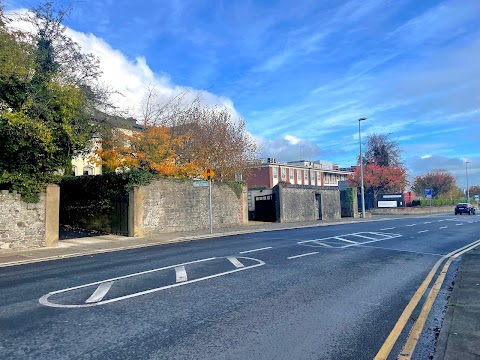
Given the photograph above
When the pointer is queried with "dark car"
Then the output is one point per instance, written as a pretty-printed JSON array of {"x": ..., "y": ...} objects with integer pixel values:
[{"x": 464, "y": 208}]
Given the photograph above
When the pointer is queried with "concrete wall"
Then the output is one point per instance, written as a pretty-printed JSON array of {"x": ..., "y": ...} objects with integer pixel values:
[
  {"x": 297, "y": 203},
  {"x": 169, "y": 205}
]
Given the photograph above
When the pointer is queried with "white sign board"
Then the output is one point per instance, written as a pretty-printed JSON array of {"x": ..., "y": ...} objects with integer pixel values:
[
  {"x": 384, "y": 204},
  {"x": 200, "y": 183}
]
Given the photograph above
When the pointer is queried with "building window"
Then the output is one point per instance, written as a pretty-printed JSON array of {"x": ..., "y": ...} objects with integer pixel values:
[
  {"x": 284, "y": 173},
  {"x": 74, "y": 170},
  {"x": 275, "y": 172},
  {"x": 290, "y": 174},
  {"x": 312, "y": 176},
  {"x": 305, "y": 176},
  {"x": 299, "y": 176}
]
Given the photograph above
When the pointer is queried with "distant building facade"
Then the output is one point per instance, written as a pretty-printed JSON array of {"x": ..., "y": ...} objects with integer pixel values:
[{"x": 302, "y": 172}]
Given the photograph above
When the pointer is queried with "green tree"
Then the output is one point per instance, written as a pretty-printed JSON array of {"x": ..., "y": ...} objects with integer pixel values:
[{"x": 48, "y": 93}]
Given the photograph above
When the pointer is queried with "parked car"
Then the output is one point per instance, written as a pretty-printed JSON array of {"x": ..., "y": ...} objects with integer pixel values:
[{"x": 464, "y": 208}]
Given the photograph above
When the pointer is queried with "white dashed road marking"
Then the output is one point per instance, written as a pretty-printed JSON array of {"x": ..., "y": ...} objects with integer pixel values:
[
  {"x": 411, "y": 225},
  {"x": 423, "y": 231},
  {"x": 443, "y": 227},
  {"x": 301, "y": 255},
  {"x": 235, "y": 262},
  {"x": 180, "y": 274},
  {"x": 249, "y": 251},
  {"x": 458, "y": 224},
  {"x": 387, "y": 229},
  {"x": 100, "y": 292}
]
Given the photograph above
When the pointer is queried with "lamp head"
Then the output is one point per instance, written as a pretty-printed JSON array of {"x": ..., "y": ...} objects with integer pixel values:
[{"x": 362, "y": 119}]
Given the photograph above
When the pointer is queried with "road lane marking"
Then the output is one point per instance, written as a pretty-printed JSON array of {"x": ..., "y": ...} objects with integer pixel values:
[
  {"x": 458, "y": 224},
  {"x": 100, "y": 292},
  {"x": 45, "y": 301},
  {"x": 427, "y": 222},
  {"x": 443, "y": 227},
  {"x": 387, "y": 229},
  {"x": 387, "y": 346},
  {"x": 423, "y": 231},
  {"x": 411, "y": 225},
  {"x": 440, "y": 220},
  {"x": 180, "y": 274},
  {"x": 301, "y": 255},
  {"x": 249, "y": 251},
  {"x": 235, "y": 262},
  {"x": 417, "y": 328},
  {"x": 342, "y": 239}
]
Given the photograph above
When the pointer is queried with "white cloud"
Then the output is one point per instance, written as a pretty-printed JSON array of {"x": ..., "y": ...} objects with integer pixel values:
[
  {"x": 425, "y": 156},
  {"x": 131, "y": 78},
  {"x": 292, "y": 139}
]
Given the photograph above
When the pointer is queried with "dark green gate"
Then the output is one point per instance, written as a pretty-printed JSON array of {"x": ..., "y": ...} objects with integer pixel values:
[{"x": 119, "y": 215}]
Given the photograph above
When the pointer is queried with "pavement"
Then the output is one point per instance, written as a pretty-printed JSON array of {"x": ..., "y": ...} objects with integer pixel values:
[{"x": 459, "y": 338}]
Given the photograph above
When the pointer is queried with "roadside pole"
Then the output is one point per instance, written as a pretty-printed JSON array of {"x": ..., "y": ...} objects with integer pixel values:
[
  {"x": 208, "y": 175},
  {"x": 211, "y": 213}
]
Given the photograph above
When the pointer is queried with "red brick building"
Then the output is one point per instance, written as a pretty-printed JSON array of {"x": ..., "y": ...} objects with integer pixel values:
[{"x": 318, "y": 173}]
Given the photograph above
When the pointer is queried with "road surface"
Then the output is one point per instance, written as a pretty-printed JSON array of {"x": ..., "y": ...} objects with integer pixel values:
[{"x": 331, "y": 292}]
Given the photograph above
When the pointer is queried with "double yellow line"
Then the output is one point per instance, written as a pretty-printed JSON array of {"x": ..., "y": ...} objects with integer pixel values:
[{"x": 414, "y": 335}]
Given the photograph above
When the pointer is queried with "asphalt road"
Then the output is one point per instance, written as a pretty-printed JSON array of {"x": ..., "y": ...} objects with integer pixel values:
[{"x": 330, "y": 292}]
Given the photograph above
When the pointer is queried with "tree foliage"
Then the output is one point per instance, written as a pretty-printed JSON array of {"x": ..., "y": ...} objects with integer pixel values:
[
  {"x": 383, "y": 168},
  {"x": 151, "y": 149},
  {"x": 442, "y": 183},
  {"x": 212, "y": 138},
  {"x": 380, "y": 178},
  {"x": 383, "y": 151},
  {"x": 474, "y": 190},
  {"x": 47, "y": 94}
]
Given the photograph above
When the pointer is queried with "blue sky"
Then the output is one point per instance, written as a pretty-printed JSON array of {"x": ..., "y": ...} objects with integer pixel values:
[{"x": 301, "y": 73}]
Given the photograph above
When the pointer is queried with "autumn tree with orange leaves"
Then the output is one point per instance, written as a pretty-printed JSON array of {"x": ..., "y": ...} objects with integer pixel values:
[{"x": 150, "y": 148}]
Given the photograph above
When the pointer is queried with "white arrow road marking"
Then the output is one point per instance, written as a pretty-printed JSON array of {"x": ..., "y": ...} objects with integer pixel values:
[
  {"x": 44, "y": 300},
  {"x": 100, "y": 292},
  {"x": 235, "y": 262},
  {"x": 180, "y": 274}
]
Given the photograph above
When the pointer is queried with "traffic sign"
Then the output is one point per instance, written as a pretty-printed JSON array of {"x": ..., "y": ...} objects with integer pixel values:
[
  {"x": 208, "y": 174},
  {"x": 428, "y": 193},
  {"x": 477, "y": 197}
]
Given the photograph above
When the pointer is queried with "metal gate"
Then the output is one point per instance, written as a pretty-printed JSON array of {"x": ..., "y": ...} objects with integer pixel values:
[
  {"x": 265, "y": 208},
  {"x": 119, "y": 215}
]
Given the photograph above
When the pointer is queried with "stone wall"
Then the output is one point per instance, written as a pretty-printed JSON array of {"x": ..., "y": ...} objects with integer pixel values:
[
  {"x": 169, "y": 205},
  {"x": 22, "y": 225},
  {"x": 297, "y": 203},
  {"x": 413, "y": 210}
]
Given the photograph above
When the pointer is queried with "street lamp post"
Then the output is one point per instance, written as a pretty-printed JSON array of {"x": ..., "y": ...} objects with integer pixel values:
[
  {"x": 361, "y": 166},
  {"x": 466, "y": 172}
]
